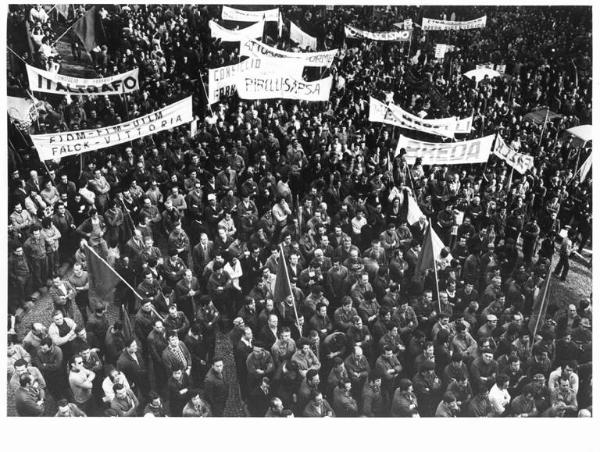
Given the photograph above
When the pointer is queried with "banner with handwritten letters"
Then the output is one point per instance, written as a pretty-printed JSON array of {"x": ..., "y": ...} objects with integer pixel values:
[
  {"x": 222, "y": 81},
  {"x": 437, "y": 24},
  {"x": 63, "y": 144},
  {"x": 521, "y": 162},
  {"x": 240, "y": 15},
  {"x": 442, "y": 49},
  {"x": 266, "y": 85},
  {"x": 395, "y": 35},
  {"x": 406, "y": 24},
  {"x": 396, "y": 116},
  {"x": 460, "y": 152},
  {"x": 304, "y": 40},
  {"x": 51, "y": 82},
  {"x": 254, "y": 48},
  {"x": 227, "y": 35}
]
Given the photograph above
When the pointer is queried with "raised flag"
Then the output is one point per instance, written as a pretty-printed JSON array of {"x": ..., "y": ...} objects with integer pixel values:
[
  {"x": 102, "y": 280},
  {"x": 430, "y": 252},
  {"x": 282, "y": 282}
]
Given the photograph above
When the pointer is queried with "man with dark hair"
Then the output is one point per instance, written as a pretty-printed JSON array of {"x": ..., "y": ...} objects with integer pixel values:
[
  {"x": 29, "y": 397},
  {"x": 216, "y": 389},
  {"x": 81, "y": 382}
]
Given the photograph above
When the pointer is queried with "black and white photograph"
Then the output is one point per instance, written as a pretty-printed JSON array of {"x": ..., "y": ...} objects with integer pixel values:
[{"x": 299, "y": 211}]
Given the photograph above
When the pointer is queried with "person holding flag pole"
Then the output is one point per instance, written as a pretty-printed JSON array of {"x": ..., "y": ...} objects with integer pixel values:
[{"x": 283, "y": 286}]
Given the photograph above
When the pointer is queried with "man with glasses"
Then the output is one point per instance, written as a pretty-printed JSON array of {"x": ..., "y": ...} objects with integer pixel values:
[{"x": 81, "y": 381}]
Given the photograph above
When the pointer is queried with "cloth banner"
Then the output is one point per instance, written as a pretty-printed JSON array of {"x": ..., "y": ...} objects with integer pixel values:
[
  {"x": 51, "y": 82},
  {"x": 240, "y": 15},
  {"x": 304, "y": 40},
  {"x": 227, "y": 35},
  {"x": 442, "y": 49},
  {"x": 437, "y": 24},
  {"x": 585, "y": 169},
  {"x": 396, "y": 116},
  {"x": 407, "y": 24},
  {"x": 254, "y": 48},
  {"x": 397, "y": 35},
  {"x": 21, "y": 111},
  {"x": 102, "y": 280},
  {"x": 222, "y": 81},
  {"x": 64, "y": 144},
  {"x": 521, "y": 162},
  {"x": 63, "y": 10},
  {"x": 266, "y": 85},
  {"x": 472, "y": 151}
]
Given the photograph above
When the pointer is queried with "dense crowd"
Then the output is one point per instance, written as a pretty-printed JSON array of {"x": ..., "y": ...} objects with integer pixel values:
[{"x": 198, "y": 225}]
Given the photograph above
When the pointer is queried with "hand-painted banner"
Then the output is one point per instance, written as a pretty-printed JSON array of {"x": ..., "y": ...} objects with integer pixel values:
[
  {"x": 254, "y": 48},
  {"x": 472, "y": 151},
  {"x": 396, "y": 116},
  {"x": 222, "y": 81},
  {"x": 304, "y": 40},
  {"x": 277, "y": 86},
  {"x": 396, "y": 35},
  {"x": 442, "y": 49},
  {"x": 240, "y": 15},
  {"x": 436, "y": 24},
  {"x": 521, "y": 162},
  {"x": 227, "y": 35},
  {"x": 63, "y": 144},
  {"x": 51, "y": 82}
]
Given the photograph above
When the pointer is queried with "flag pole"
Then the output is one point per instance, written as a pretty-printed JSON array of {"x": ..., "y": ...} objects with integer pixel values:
[
  {"x": 544, "y": 126},
  {"x": 539, "y": 315},
  {"x": 287, "y": 276},
  {"x": 122, "y": 279}
]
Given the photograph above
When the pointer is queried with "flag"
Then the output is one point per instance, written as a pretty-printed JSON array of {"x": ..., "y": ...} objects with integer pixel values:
[
  {"x": 282, "y": 282},
  {"x": 89, "y": 29},
  {"x": 102, "y": 280},
  {"x": 63, "y": 10},
  {"x": 540, "y": 305},
  {"x": 585, "y": 168},
  {"x": 414, "y": 211},
  {"x": 430, "y": 253}
]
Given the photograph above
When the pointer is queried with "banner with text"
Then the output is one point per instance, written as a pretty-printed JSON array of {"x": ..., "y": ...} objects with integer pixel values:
[
  {"x": 51, "y": 82},
  {"x": 267, "y": 85},
  {"x": 63, "y": 144},
  {"x": 472, "y": 151},
  {"x": 396, "y": 35},
  {"x": 227, "y": 35},
  {"x": 222, "y": 81},
  {"x": 254, "y": 48},
  {"x": 396, "y": 116},
  {"x": 240, "y": 15},
  {"x": 304, "y": 40},
  {"x": 521, "y": 162},
  {"x": 437, "y": 24}
]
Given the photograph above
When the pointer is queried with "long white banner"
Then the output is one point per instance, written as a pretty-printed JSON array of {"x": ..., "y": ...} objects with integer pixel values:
[
  {"x": 521, "y": 162},
  {"x": 227, "y": 35},
  {"x": 223, "y": 81},
  {"x": 437, "y": 24},
  {"x": 395, "y": 35},
  {"x": 396, "y": 116},
  {"x": 278, "y": 86},
  {"x": 254, "y": 48},
  {"x": 51, "y": 82},
  {"x": 304, "y": 40},
  {"x": 63, "y": 144},
  {"x": 240, "y": 15},
  {"x": 472, "y": 151}
]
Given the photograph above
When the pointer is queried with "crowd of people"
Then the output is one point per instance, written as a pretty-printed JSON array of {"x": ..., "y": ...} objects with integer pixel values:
[{"x": 198, "y": 225}]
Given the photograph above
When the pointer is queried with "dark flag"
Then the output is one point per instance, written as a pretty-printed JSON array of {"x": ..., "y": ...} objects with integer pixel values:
[
  {"x": 89, "y": 29},
  {"x": 128, "y": 331},
  {"x": 430, "y": 253},
  {"x": 102, "y": 280}
]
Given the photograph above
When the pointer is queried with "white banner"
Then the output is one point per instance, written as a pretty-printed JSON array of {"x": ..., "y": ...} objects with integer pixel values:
[
  {"x": 278, "y": 86},
  {"x": 396, "y": 35},
  {"x": 239, "y": 15},
  {"x": 63, "y": 144},
  {"x": 437, "y": 24},
  {"x": 227, "y": 35},
  {"x": 51, "y": 82},
  {"x": 521, "y": 162},
  {"x": 472, "y": 151},
  {"x": 304, "y": 40},
  {"x": 222, "y": 81},
  {"x": 396, "y": 116},
  {"x": 254, "y": 48},
  {"x": 442, "y": 49}
]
